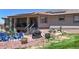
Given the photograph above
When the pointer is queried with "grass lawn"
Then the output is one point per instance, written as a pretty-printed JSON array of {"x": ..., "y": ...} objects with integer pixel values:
[{"x": 72, "y": 43}]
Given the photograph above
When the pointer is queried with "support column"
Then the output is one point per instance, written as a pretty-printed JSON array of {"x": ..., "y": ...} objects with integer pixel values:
[
  {"x": 10, "y": 25},
  {"x": 27, "y": 20},
  {"x": 27, "y": 25},
  {"x": 14, "y": 25},
  {"x": 38, "y": 21}
]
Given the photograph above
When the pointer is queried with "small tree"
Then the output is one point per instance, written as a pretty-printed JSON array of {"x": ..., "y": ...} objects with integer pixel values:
[{"x": 47, "y": 36}]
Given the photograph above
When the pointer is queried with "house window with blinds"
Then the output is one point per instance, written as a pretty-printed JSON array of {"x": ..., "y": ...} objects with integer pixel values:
[
  {"x": 43, "y": 20},
  {"x": 76, "y": 19},
  {"x": 61, "y": 18}
]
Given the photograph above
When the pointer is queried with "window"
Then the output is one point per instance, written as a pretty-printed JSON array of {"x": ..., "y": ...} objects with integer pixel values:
[
  {"x": 43, "y": 19},
  {"x": 21, "y": 22},
  {"x": 61, "y": 18},
  {"x": 76, "y": 18}
]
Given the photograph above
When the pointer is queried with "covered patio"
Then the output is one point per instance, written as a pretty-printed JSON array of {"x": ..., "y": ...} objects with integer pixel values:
[{"x": 23, "y": 23}]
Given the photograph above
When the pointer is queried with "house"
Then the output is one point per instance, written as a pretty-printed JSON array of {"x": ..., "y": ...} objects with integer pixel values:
[{"x": 42, "y": 20}]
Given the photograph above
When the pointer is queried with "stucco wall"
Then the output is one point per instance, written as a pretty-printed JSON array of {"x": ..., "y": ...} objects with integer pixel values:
[
  {"x": 54, "y": 21},
  {"x": 42, "y": 25}
]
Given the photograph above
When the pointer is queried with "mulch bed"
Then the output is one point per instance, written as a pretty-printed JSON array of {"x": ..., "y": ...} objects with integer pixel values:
[{"x": 18, "y": 44}]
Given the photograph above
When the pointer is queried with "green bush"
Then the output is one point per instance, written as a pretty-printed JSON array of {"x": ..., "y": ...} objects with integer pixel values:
[{"x": 47, "y": 35}]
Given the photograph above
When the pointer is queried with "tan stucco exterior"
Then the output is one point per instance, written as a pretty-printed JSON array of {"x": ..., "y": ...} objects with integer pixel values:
[{"x": 52, "y": 20}]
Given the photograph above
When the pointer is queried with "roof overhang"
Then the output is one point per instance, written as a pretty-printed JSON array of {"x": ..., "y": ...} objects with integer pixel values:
[{"x": 41, "y": 14}]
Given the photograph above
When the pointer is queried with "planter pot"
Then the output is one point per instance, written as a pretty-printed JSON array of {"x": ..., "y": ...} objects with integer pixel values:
[{"x": 24, "y": 41}]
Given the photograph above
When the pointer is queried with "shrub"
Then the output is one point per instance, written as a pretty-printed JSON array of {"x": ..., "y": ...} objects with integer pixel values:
[{"x": 47, "y": 35}]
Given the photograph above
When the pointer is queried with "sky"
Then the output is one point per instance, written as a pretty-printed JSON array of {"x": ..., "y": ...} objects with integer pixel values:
[{"x": 8, "y": 12}]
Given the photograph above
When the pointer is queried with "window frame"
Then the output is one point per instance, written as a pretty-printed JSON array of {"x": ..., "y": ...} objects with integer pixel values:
[
  {"x": 44, "y": 19},
  {"x": 75, "y": 21},
  {"x": 61, "y": 17},
  {"x": 20, "y": 21}
]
